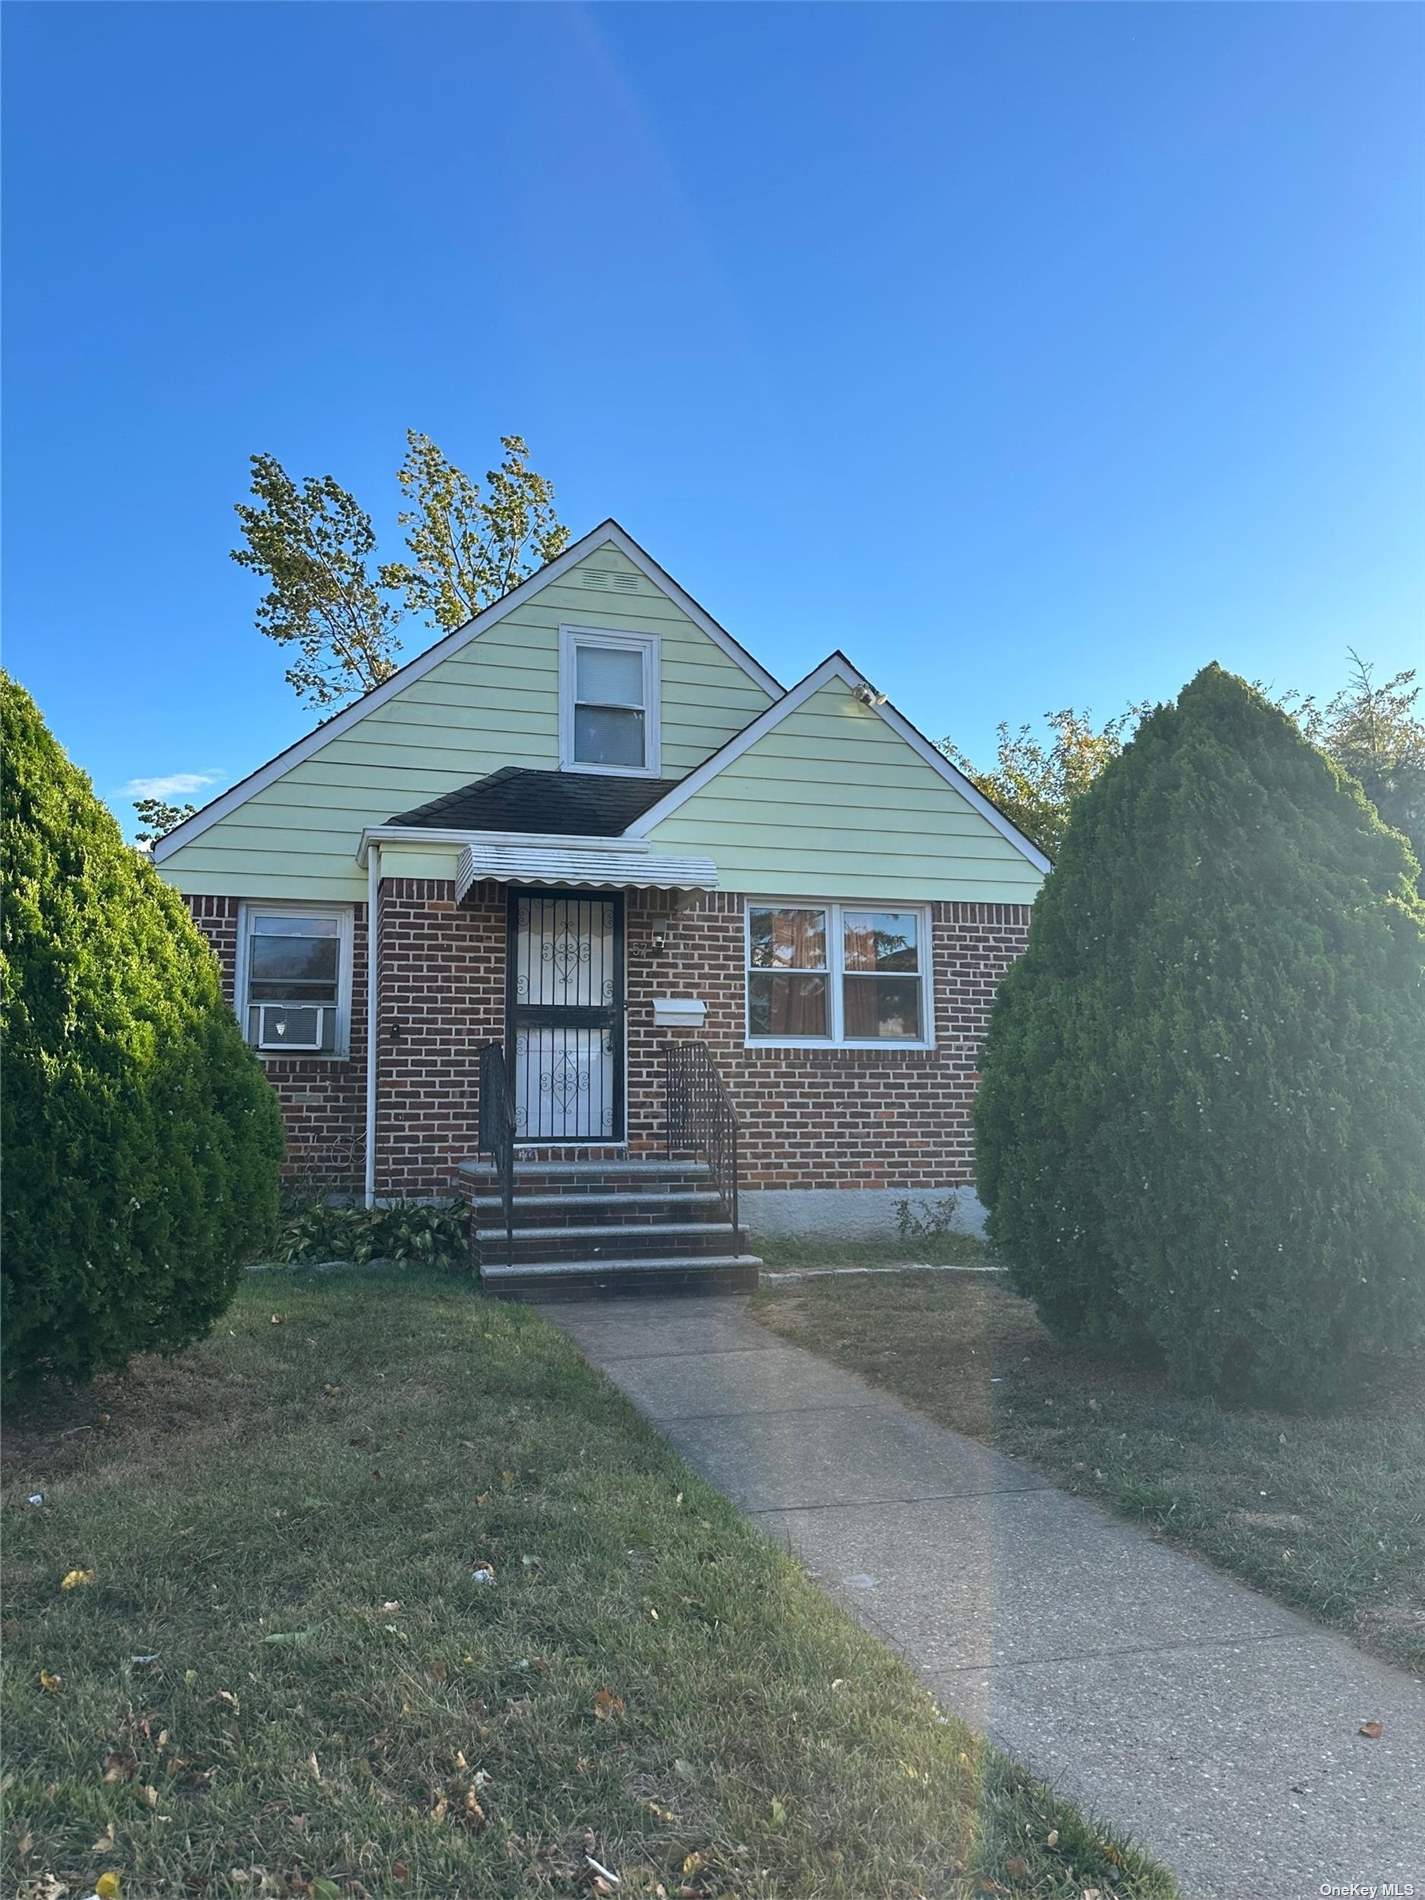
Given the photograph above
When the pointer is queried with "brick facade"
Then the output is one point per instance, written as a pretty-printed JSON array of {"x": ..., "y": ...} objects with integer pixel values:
[
  {"x": 323, "y": 1097},
  {"x": 811, "y": 1118},
  {"x": 824, "y": 1118}
]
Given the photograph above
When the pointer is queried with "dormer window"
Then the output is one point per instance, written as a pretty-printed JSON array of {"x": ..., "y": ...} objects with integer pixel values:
[{"x": 608, "y": 702}]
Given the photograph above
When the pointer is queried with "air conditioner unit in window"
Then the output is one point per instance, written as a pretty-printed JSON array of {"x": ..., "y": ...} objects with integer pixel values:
[{"x": 290, "y": 1026}]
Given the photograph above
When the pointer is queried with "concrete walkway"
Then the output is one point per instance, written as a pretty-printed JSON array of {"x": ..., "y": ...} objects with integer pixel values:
[{"x": 1218, "y": 1729}]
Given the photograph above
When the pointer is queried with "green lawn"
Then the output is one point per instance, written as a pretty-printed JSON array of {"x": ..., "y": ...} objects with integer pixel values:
[
  {"x": 1327, "y": 1514},
  {"x": 283, "y": 1677}
]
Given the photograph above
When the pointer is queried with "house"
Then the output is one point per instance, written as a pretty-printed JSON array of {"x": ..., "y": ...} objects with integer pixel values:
[{"x": 722, "y": 952}]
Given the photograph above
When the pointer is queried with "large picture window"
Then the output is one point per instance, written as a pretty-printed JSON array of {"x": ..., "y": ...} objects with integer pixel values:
[
  {"x": 838, "y": 973},
  {"x": 608, "y": 702},
  {"x": 294, "y": 979}
]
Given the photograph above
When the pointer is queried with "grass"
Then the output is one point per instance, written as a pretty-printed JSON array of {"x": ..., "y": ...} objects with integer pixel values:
[
  {"x": 790, "y": 1252},
  {"x": 283, "y": 1677},
  {"x": 1326, "y": 1514}
]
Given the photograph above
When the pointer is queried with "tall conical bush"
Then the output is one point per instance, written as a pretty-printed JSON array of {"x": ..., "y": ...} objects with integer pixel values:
[
  {"x": 141, "y": 1140},
  {"x": 1202, "y": 1115}
]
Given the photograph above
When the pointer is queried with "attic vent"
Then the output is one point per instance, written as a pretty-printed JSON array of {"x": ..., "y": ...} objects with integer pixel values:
[{"x": 602, "y": 577}]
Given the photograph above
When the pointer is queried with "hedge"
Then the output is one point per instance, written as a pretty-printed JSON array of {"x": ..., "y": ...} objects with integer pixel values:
[
  {"x": 141, "y": 1141},
  {"x": 1202, "y": 1117}
]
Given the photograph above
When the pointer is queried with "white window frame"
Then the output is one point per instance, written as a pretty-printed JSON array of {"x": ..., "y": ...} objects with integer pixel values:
[
  {"x": 835, "y": 909},
  {"x": 346, "y": 919},
  {"x": 646, "y": 644}
]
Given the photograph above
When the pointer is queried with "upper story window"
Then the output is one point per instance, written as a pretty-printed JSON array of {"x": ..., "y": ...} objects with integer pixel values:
[
  {"x": 294, "y": 978},
  {"x": 850, "y": 974},
  {"x": 608, "y": 701}
]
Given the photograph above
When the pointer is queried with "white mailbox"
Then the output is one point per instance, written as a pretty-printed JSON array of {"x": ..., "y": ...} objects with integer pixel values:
[{"x": 679, "y": 1012}]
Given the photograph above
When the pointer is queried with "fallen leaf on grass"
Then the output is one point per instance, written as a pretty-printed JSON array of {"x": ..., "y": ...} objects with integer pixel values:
[
  {"x": 105, "y": 1842},
  {"x": 1016, "y": 1868},
  {"x": 119, "y": 1767},
  {"x": 314, "y": 1765},
  {"x": 1373, "y": 1729},
  {"x": 50, "y": 1682},
  {"x": 607, "y": 1705},
  {"x": 74, "y": 1579},
  {"x": 107, "y": 1885}
]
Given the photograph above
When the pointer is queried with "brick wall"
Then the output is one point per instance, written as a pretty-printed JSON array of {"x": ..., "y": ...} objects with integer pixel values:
[
  {"x": 824, "y": 1118},
  {"x": 442, "y": 994},
  {"x": 323, "y": 1097},
  {"x": 827, "y": 1118}
]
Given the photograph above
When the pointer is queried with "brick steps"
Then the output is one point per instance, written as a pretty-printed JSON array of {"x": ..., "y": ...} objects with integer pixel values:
[{"x": 606, "y": 1225}]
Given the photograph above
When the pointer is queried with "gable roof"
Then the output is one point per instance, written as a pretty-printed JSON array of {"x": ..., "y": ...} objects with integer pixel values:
[
  {"x": 520, "y": 798},
  {"x": 836, "y": 666},
  {"x": 332, "y": 728}
]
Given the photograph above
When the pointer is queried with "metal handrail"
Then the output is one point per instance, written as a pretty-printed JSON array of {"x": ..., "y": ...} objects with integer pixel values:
[
  {"x": 496, "y": 1136},
  {"x": 700, "y": 1115}
]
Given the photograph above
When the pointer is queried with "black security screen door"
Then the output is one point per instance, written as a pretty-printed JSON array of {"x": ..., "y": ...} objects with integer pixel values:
[{"x": 566, "y": 1015}]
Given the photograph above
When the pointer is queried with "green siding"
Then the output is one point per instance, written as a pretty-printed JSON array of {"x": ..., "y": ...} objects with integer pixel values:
[
  {"x": 494, "y": 703},
  {"x": 833, "y": 803}
]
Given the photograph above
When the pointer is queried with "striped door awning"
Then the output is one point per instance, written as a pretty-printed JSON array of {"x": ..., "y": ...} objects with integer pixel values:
[{"x": 581, "y": 868}]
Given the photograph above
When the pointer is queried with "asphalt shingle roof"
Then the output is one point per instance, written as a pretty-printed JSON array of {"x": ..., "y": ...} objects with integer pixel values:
[{"x": 579, "y": 804}]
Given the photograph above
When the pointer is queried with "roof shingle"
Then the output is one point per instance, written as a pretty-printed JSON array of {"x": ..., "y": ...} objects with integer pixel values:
[{"x": 578, "y": 804}]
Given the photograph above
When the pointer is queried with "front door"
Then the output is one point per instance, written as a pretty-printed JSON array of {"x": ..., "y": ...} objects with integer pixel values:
[{"x": 565, "y": 1015}]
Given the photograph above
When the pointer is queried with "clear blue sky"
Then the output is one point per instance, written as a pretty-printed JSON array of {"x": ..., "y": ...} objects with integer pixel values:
[{"x": 1033, "y": 356}]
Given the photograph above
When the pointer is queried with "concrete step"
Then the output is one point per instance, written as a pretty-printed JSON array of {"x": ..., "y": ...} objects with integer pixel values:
[
  {"x": 689, "y": 1239},
  {"x": 651, "y": 1168},
  {"x": 621, "y": 1198},
  {"x": 570, "y": 1279}
]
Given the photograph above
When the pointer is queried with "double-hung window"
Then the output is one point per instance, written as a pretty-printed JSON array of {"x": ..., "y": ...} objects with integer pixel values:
[
  {"x": 294, "y": 978},
  {"x": 608, "y": 702},
  {"x": 855, "y": 975}
]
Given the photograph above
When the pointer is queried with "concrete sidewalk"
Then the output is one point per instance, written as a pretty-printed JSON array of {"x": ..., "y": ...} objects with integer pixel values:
[{"x": 1217, "y": 1728}]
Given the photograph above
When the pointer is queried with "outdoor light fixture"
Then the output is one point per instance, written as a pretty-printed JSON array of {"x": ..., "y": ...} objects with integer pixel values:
[{"x": 868, "y": 695}]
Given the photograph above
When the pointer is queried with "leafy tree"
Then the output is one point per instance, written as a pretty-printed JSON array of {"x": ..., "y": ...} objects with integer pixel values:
[
  {"x": 1035, "y": 783},
  {"x": 329, "y": 597},
  {"x": 142, "y": 1141},
  {"x": 469, "y": 548},
  {"x": 158, "y": 818},
  {"x": 314, "y": 545},
  {"x": 1376, "y": 734},
  {"x": 1202, "y": 1115}
]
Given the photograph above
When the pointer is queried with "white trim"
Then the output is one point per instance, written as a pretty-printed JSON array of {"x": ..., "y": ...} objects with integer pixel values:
[
  {"x": 835, "y": 909},
  {"x": 345, "y": 915},
  {"x": 556, "y": 840},
  {"x": 373, "y": 973},
  {"x": 607, "y": 532},
  {"x": 649, "y": 648},
  {"x": 835, "y": 666}
]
